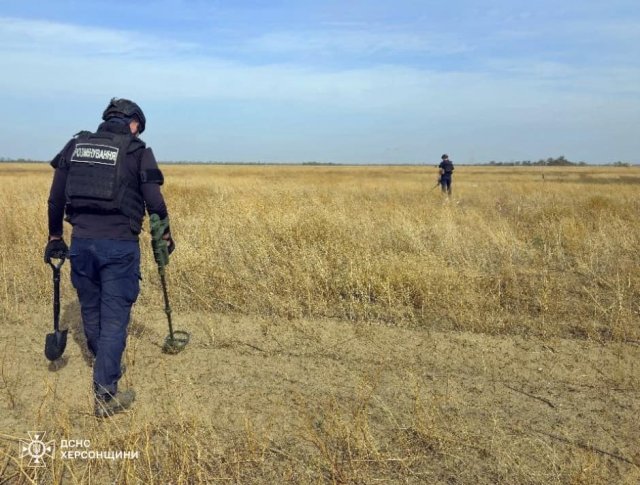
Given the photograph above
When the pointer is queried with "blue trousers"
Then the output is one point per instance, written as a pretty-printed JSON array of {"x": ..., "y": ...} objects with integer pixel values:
[
  {"x": 445, "y": 182},
  {"x": 106, "y": 275}
]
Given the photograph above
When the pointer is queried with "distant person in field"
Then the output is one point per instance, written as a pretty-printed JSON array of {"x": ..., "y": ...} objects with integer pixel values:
[
  {"x": 446, "y": 171},
  {"x": 103, "y": 182}
]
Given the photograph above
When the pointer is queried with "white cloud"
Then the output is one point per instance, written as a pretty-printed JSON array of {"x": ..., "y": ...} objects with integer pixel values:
[
  {"x": 617, "y": 81},
  {"x": 358, "y": 41},
  {"x": 501, "y": 99},
  {"x": 42, "y": 36},
  {"x": 44, "y": 57}
]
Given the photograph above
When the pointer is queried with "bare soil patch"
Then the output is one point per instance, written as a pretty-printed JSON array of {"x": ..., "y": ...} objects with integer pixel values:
[{"x": 330, "y": 400}]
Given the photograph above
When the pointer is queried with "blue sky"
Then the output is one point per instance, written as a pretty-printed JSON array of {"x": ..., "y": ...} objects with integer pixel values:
[{"x": 351, "y": 81}]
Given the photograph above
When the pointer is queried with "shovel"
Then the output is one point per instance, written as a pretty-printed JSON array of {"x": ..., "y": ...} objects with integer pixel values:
[{"x": 56, "y": 342}]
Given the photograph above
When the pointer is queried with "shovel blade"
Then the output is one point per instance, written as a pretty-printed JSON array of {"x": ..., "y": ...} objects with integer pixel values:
[{"x": 55, "y": 344}]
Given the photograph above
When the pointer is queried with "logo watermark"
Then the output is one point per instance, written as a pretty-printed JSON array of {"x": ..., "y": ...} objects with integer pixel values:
[
  {"x": 37, "y": 450},
  {"x": 81, "y": 449}
]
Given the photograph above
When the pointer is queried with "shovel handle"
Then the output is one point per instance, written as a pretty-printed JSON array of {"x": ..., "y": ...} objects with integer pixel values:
[{"x": 56, "y": 292}]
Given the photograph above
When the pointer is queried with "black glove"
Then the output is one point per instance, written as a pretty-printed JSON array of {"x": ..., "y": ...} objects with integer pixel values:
[
  {"x": 171, "y": 244},
  {"x": 57, "y": 249}
]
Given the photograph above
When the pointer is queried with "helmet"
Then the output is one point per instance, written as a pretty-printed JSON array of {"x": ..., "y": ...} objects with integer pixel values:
[
  {"x": 444, "y": 156},
  {"x": 119, "y": 107}
]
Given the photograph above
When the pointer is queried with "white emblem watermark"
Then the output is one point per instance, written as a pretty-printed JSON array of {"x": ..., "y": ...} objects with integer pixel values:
[{"x": 37, "y": 450}]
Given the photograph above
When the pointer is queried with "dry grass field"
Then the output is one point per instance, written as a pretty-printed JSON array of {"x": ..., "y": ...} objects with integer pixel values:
[{"x": 349, "y": 325}]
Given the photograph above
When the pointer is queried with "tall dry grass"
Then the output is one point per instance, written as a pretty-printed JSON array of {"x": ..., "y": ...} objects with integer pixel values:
[
  {"x": 335, "y": 443},
  {"x": 515, "y": 251},
  {"x": 522, "y": 251}
]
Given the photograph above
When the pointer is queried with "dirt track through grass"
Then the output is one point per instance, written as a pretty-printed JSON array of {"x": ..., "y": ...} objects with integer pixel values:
[{"x": 351, "y": 401}]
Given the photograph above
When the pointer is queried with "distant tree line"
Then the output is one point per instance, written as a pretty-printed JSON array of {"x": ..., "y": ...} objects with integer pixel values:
[
  {"x": 19, "y": 160},
  {"x": 561, "y": 161}
]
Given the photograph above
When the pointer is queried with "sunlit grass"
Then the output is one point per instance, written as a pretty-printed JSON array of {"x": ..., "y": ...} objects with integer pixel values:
[{"x": 516, "y": 252}]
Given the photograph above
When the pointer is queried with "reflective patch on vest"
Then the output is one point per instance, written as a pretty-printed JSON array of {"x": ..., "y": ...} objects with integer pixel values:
[{"x": 90, "y": 153}]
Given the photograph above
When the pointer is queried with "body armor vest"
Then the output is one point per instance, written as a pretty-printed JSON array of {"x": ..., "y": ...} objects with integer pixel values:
[
  {"x": 447, "y": 167},
  {"x": 98, "y": 182}
]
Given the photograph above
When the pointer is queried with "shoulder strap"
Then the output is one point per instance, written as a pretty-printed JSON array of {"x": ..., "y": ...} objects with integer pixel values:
[{"x": 59, "y": 161}]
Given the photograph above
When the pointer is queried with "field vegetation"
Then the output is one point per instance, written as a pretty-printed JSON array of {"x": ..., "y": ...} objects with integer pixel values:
[{"x": 349, "y": 324}]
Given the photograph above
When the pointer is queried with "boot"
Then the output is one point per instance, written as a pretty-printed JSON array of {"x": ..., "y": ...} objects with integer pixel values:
[{"x": 114, "y": 404}]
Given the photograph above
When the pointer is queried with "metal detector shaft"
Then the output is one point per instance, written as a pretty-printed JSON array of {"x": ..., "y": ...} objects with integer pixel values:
[
  {"x": 436, "y": 185},
  {"x": 167, "y": 308},
  {"x": 176, "y": 340}
]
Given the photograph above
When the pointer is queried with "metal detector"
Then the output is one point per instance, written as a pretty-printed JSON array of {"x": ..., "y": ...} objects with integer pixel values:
[{"x": 177, "y": 340}]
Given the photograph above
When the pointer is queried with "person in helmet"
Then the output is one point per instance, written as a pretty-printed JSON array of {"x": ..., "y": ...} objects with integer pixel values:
[
  {"x": 446, "y": 171},
  {"x": 103, "y": 182}
]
